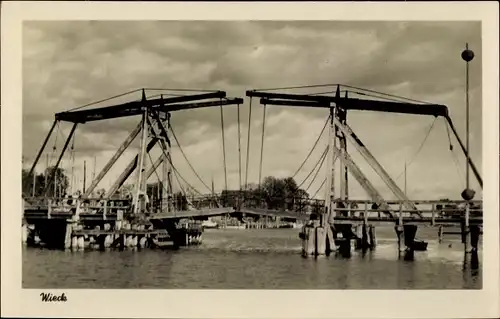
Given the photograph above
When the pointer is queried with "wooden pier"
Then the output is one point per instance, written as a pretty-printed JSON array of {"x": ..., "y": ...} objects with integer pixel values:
[
  {"x": 100, "y": 224},
  {"x": 349, "y": 226}
]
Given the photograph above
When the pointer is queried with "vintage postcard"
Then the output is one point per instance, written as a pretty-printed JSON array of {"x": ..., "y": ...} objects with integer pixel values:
[{"x": 245, "y": 160}]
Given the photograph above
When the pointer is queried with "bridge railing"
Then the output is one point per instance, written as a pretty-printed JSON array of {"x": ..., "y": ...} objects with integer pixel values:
[
  {"x": 346, "y": 208},
  {"x": 56, "y": 205},
  {"x": 306, "y": 206},
  {"x": 448, "y": 208}
]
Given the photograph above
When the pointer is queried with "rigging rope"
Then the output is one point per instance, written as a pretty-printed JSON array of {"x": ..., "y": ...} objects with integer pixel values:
[
  {"x": 248, "y": 142},
  {"x": 187, "y": 160},
  {"x": 262, "y": 144},
  {"x": 223, "y": 144},
  {"x": 321, "y": 159},
  {"x": 312, "y": 149},
  {"x": 320, "y": 187},
  {"x": 420, "y": 148}
]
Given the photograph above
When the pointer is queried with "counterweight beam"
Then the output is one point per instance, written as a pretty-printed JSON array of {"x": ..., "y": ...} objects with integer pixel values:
[
  {"x": 364, "y": 105},
  {"x": 135, "y": 108}
]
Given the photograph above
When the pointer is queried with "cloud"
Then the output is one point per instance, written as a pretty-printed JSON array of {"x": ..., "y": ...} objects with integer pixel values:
[{"x": 71, "y": 63}]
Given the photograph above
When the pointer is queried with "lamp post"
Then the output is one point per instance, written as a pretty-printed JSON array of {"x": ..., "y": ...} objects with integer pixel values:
[
  {"x": 467, "y": 56},
  {"x": 467, "y": 194}
]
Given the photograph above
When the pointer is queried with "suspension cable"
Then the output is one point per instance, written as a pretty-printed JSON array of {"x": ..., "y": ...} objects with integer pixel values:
[
  {"x": 180, "y": 90},
  {"x": 344, "y": 85},
  {"x": 185, "y": 157},
  {"x": 320, "y": 187},
  {"x": 248, "y": 142},
  {"x": 262, "y": 144},
  {"x": 176, "y": 177},
  {"x": 387, "y": 98},
  {"x": 386, "y": 94},
  {"x": 420, "y": 148},
  {"x": 156, "y": 173},
  {"x": 183, "y": 191},
  {"x": 317, "y": 171},
  {"x": 453, "y": 155},
  {"x": 104, "y": 100},
  {"x": 183, "y": 179},
  {"x": 72, "y": 160},
  {"x": 239, "y": 146},
  {"x": 321, "y": 159},
  {"x": 313, "y": 148},
  {"x": 223, "y": 144},
  {"x": 298, "y": 87},
  {"x": 54, "y": 148}
]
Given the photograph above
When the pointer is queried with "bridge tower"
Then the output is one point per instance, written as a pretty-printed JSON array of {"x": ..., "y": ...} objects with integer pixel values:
[
  {"x": 153, "y": 130},
  {"x": 336, "y": 140}
]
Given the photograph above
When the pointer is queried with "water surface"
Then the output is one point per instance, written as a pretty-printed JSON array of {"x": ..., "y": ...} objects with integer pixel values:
[{"x": 255, "y": 259}]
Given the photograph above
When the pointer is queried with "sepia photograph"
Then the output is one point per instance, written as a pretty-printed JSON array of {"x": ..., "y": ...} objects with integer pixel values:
[{"x": 251, "y": 155}]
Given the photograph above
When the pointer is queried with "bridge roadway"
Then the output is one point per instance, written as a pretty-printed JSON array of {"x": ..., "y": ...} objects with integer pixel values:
[
  {"x": 299, "y": 216},
  {"x": 37, "y": 212}
]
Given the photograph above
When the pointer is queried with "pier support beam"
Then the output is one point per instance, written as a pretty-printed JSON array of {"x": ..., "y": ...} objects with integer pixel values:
[
  {"x": 466, "y": 238},
  {"x": 320, "y": 240},
  {"x": 475, "y": 232},
  {"x": 401, "y": 238},
  {"x": 372, "y": 237},
  {"x": 317, "y": 239},
  {"x": 67, "y": 235}
]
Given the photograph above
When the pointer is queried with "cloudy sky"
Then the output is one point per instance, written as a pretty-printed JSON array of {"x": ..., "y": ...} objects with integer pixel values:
[{"x": 68, "y": 64}]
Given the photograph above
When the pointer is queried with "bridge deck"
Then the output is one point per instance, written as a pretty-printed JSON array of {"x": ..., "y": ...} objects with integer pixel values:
[{"x": 103, "y": 211}]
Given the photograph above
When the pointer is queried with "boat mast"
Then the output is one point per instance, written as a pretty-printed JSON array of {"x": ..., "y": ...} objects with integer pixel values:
[{"x": 405, "y": 179}]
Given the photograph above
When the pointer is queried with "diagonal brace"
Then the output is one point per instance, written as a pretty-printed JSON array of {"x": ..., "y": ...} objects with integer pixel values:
[{"x": 113, "y": 159}]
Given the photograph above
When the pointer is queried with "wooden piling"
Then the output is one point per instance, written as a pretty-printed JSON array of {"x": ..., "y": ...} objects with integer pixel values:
[
  {"x": 320, "y": 240},
  {"x": 401, "y": 237},
  {"x": 74, "y": 242},
  {"x": 359, "y": 236},
  {"x": 440, "y": 234},
  {"x": 364, "y": 237},
  {"x": 409, "y": 234},
  {"x": 142, "y": 242},
  {"x": 330, "y": 240},
  {"x": 474, "y": 236},
  {"x": 466, "y": 238},
  {"x": 308, "y": 243},
  {"x": 24, "y": 233},
  {"x": 67, "y": 236},
  {"x": 372, "y": 237},
  {"x": 81, "y": 242}
]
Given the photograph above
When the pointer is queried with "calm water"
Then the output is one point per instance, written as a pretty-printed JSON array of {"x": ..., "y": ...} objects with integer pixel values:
[{"x": 254, "y": 259}]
